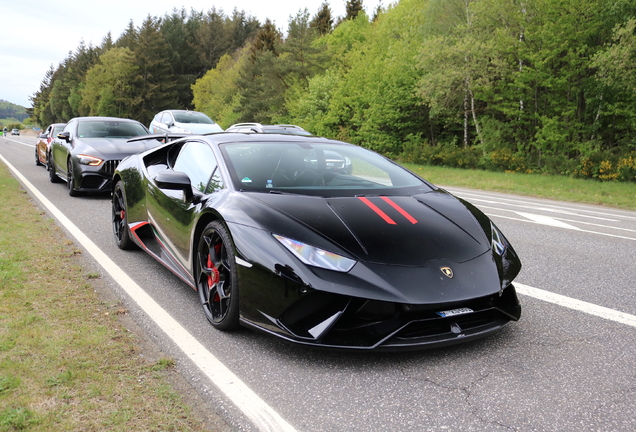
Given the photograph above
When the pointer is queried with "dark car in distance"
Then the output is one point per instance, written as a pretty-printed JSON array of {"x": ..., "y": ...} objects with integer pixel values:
[
  {"x": 43, "y": 146},
  {"x": 273, "y": 239},
  {"x": 87, "y": 151}
]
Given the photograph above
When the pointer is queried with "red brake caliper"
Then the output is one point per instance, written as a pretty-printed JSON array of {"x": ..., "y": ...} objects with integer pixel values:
[{"x": 213, "y": 277}]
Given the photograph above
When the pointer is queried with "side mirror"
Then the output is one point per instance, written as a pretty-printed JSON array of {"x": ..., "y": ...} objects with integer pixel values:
[
  {"x": 174, "y": 180},
  {"x": 65, "y": 136}
]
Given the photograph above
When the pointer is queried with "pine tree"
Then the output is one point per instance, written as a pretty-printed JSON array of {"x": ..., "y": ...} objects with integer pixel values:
[
  {"x": 322, "y": 21},
  {"x": 154, "y": 85},
  {"x": 352, "y": 9}
]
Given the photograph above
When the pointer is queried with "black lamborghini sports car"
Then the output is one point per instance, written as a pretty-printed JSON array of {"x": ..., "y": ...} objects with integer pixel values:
[{"x": 367, "y": 256}]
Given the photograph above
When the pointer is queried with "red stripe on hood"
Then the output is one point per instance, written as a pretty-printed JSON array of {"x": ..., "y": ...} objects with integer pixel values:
[
  {"x": 400, "y": 210},
  {"x": 375, "y": 208}
]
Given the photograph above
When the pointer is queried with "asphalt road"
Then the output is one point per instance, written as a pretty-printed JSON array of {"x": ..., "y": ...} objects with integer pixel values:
[{"x": 560, "y": 368}]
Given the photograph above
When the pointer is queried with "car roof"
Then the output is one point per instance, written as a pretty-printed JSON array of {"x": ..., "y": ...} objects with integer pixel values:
[
  {"x": 105, "y": 119},
  {"x": 181, "y": 110},
  {"x": 238, "y": 137}
]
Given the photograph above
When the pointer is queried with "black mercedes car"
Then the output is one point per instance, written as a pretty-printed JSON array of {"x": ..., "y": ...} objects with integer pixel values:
[
  {"x": 371, "y": 258},
  {"x": 87, "y": 151}
]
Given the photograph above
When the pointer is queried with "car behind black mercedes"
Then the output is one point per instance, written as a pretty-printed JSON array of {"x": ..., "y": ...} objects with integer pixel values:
[
  {"x": 86, "y": 153},
  {"x": 371, "y": 257}
]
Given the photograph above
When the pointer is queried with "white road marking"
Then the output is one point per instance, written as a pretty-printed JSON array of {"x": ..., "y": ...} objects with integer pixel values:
[
  {"x": 20, "y": 142},
  {"x": 561, "y": 208},
  {"x": 545, "y": 220},
  {"x": 581, "y": 306},
  {"x": 492, "y": 215},
  {"x": 262, "y": 415}
]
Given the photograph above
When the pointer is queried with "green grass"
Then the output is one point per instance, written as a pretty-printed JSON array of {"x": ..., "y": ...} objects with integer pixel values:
[
  {"x": 611, "y": 194},
  {"x": 66, "y": 360}
]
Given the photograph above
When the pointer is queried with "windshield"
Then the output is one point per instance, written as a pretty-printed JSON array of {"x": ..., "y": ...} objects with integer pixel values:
[
  {"x": 110, "y": 129},
  {"x": 191, "y": 117},
  {"x": 315, "y": 169}
]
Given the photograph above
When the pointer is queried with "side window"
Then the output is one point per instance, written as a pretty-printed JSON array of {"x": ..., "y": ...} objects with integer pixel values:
[
  {"x": 69, "y": 127},
  {"x": 197, "y": 160}
]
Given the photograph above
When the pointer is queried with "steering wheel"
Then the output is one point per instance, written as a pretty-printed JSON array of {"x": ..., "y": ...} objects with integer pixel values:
[{"x": 324, "y": 178}]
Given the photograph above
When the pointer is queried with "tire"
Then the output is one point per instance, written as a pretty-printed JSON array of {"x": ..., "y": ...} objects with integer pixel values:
[
  {"x": 120, "y": 218},
  {"x": 37, "y": 158},
  {"x": 70, "y": 179},
  {"x": 52, "y": 174},
  {"x": 217, "y": 278}
]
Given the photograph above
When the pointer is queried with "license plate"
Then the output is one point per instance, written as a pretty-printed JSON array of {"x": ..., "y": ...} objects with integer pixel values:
[{"x": 453, "y": 312}]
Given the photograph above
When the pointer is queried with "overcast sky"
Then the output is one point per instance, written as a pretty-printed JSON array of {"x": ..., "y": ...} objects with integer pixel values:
[{"x": 35, "y": 34}]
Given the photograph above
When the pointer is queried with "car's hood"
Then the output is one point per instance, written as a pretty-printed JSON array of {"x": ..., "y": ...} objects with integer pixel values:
[
  {"x": 116, "y": 148},
  {"x": 397, "y": 230},
  {"x": 200, "y": 128}
]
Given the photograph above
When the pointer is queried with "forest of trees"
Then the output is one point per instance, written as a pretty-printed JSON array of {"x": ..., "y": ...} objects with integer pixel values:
[
  {"x": 12, "y": 112},
  {"x": 546, "y": 86}
]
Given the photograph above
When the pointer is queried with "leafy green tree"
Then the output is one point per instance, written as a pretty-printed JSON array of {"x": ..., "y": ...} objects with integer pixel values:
[
  {"x": 109, "y": 85},
  {"x": 217, "y": 93}
]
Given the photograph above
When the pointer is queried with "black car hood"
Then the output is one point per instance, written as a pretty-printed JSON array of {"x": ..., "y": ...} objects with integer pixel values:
[
  {"x": 395, "y": 230},
  {"x": 117, "y": 148}
]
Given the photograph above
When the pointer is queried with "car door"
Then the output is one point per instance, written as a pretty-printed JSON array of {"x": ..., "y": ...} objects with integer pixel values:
[
  {"x": 164, "y": 122},
  {"x": 60, "y": 149},
  {"x": 171, "y": 213}
]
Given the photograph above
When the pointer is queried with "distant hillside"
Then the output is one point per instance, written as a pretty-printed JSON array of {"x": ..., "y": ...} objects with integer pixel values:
[{"x": 12, "y": 111}]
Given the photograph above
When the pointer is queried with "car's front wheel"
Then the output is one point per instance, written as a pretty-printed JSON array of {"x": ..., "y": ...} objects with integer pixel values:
[
  {"x": 120, "y": 218},
  {"x": 52, "y": 173},
  {"x": 217, "y": 277},
  {"x": 37, "y": 158},
  {"x": 70, "y": 179}
]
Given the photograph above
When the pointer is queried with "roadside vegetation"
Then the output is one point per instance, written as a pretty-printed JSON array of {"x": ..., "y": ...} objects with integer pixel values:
[
  {"x": 585, "y": 191},
  {"x": 66, "y": 360},
  {"x": 533, "y": 86}
]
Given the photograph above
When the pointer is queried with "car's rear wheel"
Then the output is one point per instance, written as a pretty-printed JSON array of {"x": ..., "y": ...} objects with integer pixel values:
[
  {"x": 217, "y": 277},
  {"x": 120, "y": 218},
  {"x": 70, "y": 179},
  {"x": 52, "y": 173}
]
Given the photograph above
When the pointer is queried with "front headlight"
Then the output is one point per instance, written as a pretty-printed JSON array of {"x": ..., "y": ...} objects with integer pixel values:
[
  {"x": 498, "y": 240},
  {"x": 316, "y": 257},
  {"x": 89, "y": 160}
]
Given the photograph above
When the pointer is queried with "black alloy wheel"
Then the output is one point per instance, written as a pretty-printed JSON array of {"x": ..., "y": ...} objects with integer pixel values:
[
  {"x": 217, "y": 277},
  {"x": 120, "y": 218},
  {"x": 70, "y": 179}
]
